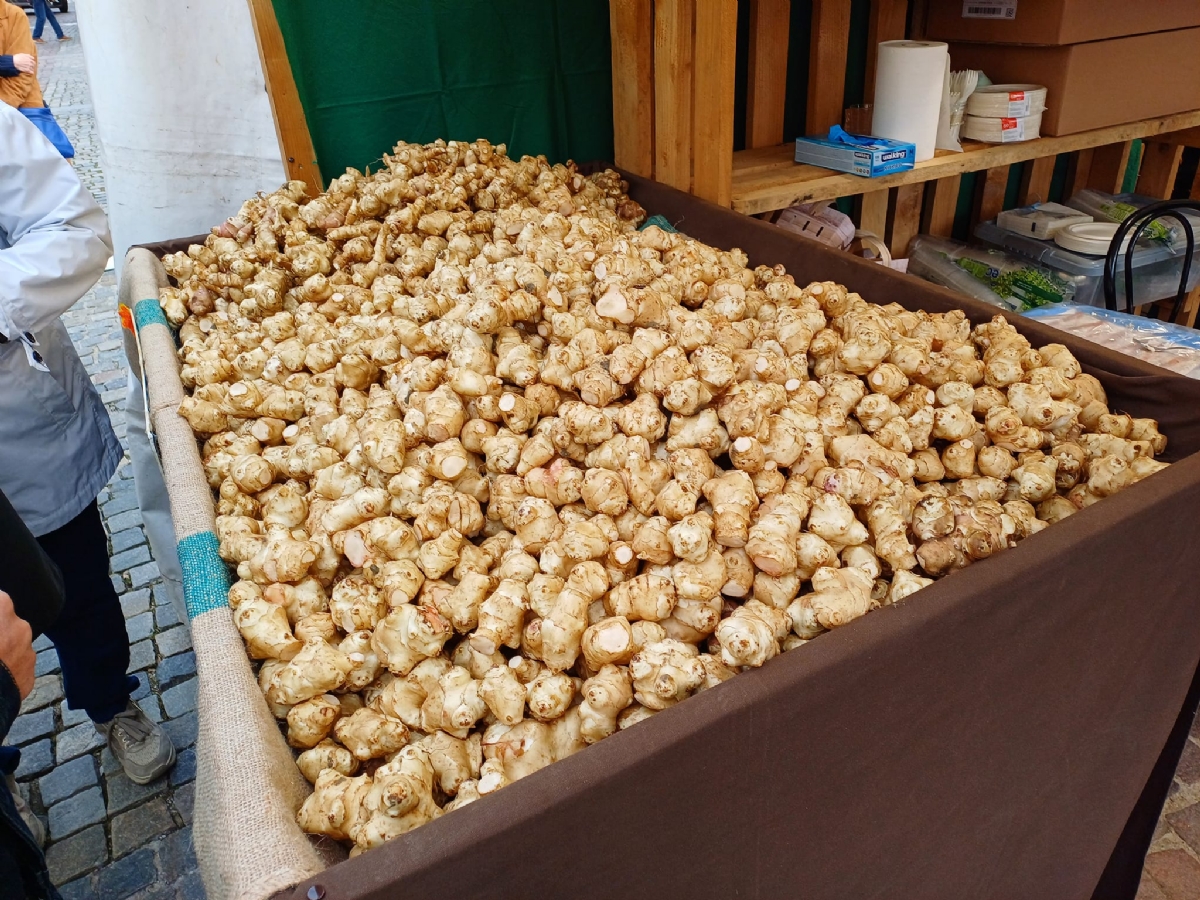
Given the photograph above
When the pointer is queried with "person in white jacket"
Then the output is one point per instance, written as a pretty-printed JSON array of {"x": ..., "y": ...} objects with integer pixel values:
[{"x": 57, "y": 447}]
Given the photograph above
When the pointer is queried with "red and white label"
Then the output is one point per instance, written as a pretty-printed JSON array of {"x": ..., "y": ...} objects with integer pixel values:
[
  {"x": 1019, "y": 103},
  {"x": 1011, "y": 129}
]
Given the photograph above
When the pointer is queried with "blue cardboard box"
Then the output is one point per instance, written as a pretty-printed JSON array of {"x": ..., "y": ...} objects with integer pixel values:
[{"x": 856, "y": 154}]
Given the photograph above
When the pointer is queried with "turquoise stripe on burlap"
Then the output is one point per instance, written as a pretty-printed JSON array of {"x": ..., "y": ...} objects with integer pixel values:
[
  {"x": 205, "y": 575},
  {"x": 148, "y": 312}
]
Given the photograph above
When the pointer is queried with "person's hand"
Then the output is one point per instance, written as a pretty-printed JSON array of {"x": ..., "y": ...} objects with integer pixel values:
[
  {"x": 16, "y": 646},
  {"x": 24, "y": 62}
]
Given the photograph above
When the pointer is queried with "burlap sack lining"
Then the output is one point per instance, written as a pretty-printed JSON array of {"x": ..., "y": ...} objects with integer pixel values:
[{"x": 248, "y": 787}]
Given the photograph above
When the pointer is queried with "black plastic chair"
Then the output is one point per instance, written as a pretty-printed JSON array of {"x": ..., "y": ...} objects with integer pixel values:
[{"x": 1137, "y": 223}]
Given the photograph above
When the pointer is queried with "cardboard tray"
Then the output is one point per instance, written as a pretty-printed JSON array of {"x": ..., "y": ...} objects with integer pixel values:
[{"x": 1008, "y": 732}]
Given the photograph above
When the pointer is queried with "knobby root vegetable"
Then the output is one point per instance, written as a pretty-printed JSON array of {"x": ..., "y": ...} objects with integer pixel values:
[{"x": 501, "y": 474}]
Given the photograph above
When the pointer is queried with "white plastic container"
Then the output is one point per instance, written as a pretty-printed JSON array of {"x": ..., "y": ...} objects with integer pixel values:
[
  {"x": 1004, "y": 130},
  {"x": 1041, "y": 220},
  {"x": 1006, "y": 100}
]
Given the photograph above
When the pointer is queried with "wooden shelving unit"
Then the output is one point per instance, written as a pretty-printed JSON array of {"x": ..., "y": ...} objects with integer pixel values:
[
  {"x": 768, "y": 179},
  {"x": 673, "y": 68}
]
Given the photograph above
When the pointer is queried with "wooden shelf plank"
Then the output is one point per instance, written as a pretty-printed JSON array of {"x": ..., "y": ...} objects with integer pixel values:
[
  {"x": 632, "y": 26},
  {"x": 674, "y": 27},
  {"x": 768, "y": 178},
  {"x": 291, "y": 126},
  {"x": 827, "y": 64},
  {"x": 770, "y": 21},
  {"x": 1160, "y": 165},
  {"x": 886, "y": 24},
  {"x": 712, "y": 136}
]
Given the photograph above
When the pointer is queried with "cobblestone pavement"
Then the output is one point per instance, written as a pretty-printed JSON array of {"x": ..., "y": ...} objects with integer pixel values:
[{"x": 110, "y": 838}]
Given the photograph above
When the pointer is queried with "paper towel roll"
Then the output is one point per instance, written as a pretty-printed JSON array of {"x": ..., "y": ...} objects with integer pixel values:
[{"x": 908, "y": 92}]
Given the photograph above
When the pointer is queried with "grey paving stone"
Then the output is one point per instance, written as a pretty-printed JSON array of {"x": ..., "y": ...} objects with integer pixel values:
[
  {"x": 122, "y": 488},
  {"x": 149, "y": 705},
  {"x": 68, "y": 779},
  {"x": 173, "y": 640},
  {"x": 47, "y": 689},
  {"x": 47, "y": 662},
  {"x": 175, "y": 667},
  {"x": 135, "y": 602},
  {"x": 182, "y": 731},
  {"x": 108, "y": 762},
  {"x": 176, "y": 854},
  {"x": 130, "y": 537},
  {"x": 27, "y": 728},
  {"x": 134, "y": 828},
  {"x": 185, "y": 767},
  {"x": 144, "y": 574},
  {"x": 180, "y": 699},
  {"x": 78, "y": 854},
  {"x": 123, "y": 793},
  {"x": 141, "y": 655},
  {"x": 118, "y": 584},
  {"x": 42, "y": 643},
  {"x": 80, "y": 889},
  {"x": 77, "y": 740},
  {"x": 71, "y": 717},
  {"x": 120, "y": 504},
  {"x": 35, "y": 759},
  {"x": 127, "y": 876},
  {"x": 184, "y": 800},
  {"x": 127, "y": 559},
  {"x": 190, "y": 887},
  {"x": 140, "y": 627},
  {"x": 143, "y": 688},
  {"x": 165, "y": 613},
  {"x": 129, "y": 519},
  {"x": 76, "y": 813}
]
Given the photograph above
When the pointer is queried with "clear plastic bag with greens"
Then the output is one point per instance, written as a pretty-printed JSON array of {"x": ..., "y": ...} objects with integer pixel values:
[
  {"x": 993, "y": 276},
  {"x": 1119, "y": 207}
]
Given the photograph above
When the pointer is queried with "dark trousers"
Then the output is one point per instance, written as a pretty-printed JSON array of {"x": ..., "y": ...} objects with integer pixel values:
[
  {"x": 90, "y": 637},
  {"x": 42, "y": 10}
]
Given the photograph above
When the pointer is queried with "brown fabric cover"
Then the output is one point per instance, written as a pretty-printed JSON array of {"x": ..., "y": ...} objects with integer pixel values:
[{"x": 987, "y": 738}]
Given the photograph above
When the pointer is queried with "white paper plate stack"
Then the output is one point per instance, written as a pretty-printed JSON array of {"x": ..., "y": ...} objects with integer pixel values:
[{"x": 1002, "y": 113}]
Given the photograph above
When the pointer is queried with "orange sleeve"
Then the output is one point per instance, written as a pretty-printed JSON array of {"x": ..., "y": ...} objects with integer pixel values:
[{"x": 15, "y": 37}]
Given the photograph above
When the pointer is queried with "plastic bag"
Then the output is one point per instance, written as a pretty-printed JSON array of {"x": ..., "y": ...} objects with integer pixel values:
[
  {"x": 993, "y": 276},
  {"x": 1172, "y": 347}
]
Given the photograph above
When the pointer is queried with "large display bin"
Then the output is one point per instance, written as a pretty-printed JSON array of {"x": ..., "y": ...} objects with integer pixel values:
[{"x": 1008, "y": 732}]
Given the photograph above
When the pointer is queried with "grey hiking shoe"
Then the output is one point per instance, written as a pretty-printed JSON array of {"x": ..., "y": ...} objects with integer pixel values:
[
  {"x": 32, "y": 822},
  {"x": 141, "y": 747}
]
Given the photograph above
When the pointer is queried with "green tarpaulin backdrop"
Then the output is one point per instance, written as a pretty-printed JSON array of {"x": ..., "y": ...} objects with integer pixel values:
[{"x": 534, "y": 74}]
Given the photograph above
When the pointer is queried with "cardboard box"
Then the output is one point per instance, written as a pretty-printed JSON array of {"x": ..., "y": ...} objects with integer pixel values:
[
  {"x": 1099, "y": 83},
  {"x": 1054, "y": 21}
]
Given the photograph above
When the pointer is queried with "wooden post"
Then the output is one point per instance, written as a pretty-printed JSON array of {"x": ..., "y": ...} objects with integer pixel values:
[
  {"x": 1107, "y": 172},
  {"x": 872, "y": 213},
  {"x": 632, "y": 26},
  {"x": 1160, "y": 165},
  {"x": 827, "y": 64},
  {"x": 712, "y": 135},
  {"x": 673, "y": 68},
  {"x": 906, "y": 218},
  {"x": 1078, "y": 170},
  {"x": 990, "y": 193},
  {"x": 291, "y": 127},
  {"x": 887, "y": 24},
  {"x": 1035, "y": 180},
  {"x": 942, "y": 204},
  {"x": 766, "y": 85}
]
